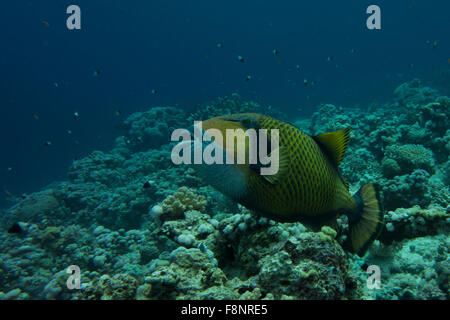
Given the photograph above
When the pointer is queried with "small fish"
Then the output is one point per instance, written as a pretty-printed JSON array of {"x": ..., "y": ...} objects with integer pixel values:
[
  {"x": 97, "y": 73},
  {"x": 45, "y": 23},
  {"x": 411, "y": 65},
  {"x": 147, "y": 184},
  {"x": 219, "y": 45},
  {"x": 352, "y": 51},
  {"x": 15, "y": 228},
  {"x": 10, "y": 169},
  {"x": 35, "y": 116},
  {"x": 329, "y": 58},
  {"x": 56, "y": 84},
  {"x": 47, "y": 143},
  {"x": 118, "y": 112},
  {"x": 240, "y": 59},
  {"x": 248, "y": 78},
  {"x": 435, "y": 44},
  {"x": 275, "y": 51},
  {"x": 154, "y": 91},
  {"x": 76, "y": 115},
  {"x": 9, "y": 194},
  {"x": 307, "y": 186},
  {"x": 297, "y": 67},
  {"x": 305, "y": 82},
  {"x": 69, "y": 131}
]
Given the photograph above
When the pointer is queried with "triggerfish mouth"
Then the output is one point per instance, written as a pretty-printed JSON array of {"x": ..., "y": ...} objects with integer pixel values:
[{"x": 307, "y": 186}]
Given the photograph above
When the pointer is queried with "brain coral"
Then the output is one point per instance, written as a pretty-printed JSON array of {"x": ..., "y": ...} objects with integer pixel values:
[{"x": 402, "y": 159}]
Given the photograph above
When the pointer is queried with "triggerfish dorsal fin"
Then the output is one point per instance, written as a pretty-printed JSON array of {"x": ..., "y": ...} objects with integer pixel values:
[
  {"x": 334, "y": 143},
  {"x": 282, "y": 161}
]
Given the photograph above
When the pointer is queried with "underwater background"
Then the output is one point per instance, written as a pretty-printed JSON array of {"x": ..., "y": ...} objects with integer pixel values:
[{"x": 85, "y": 129}]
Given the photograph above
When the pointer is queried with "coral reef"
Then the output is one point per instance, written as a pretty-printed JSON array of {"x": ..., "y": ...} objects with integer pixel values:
[
  {"x": 140, "y": 227},
  {"x": 412, "y": 269},
  {"x": 151, "y": 129},
  {"x": 184, "y": 199},
  {"x": 402, "y": 159},
  {"x": 232, "y": 104},
  {"x": 414, "y": 93}
]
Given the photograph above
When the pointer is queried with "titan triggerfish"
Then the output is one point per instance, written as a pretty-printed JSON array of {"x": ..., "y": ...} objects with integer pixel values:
[{"x": 307, "y": 187}]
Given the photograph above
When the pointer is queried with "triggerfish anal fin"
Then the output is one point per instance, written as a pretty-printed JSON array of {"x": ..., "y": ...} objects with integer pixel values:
[{"x": 334, "y": 143}]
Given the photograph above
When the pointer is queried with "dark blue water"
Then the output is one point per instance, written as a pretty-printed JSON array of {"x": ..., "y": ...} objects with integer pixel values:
[{"x": 171, "y": 46}]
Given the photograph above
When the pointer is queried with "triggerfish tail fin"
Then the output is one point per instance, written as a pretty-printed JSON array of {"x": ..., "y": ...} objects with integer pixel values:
[{"x": 367, "y": 222}]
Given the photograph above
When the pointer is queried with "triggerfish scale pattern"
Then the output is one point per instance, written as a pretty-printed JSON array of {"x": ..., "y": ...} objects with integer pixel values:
[
  {"x": 311, "y": 186},
  {"x": 307, "y": 187}
]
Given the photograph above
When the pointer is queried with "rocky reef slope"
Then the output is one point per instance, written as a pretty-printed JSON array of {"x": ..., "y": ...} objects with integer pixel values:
[{"x": 140, "y": 227}]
